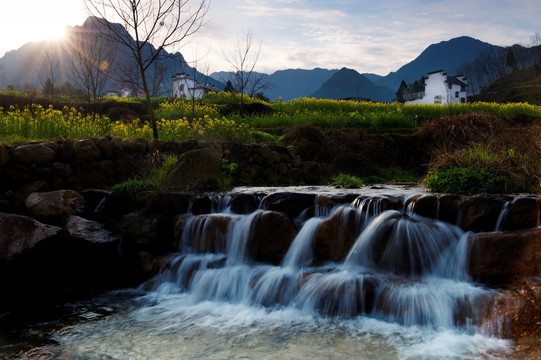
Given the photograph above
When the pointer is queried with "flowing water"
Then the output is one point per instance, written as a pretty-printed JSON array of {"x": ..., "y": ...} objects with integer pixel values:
[{"x": 402, "y": 292}]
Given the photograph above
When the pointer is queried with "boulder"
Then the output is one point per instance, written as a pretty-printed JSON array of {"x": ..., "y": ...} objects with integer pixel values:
[
  {"x": 207, "y": 232},
  {"x": 19, "y": 233},
  {"x": 336, "y": 235},
  {"x": 505, "y": 258},
  {"x": 197, "y": 169},
  {"x": 481, "y": 212},
  {"x": 105, "y": 146},
  {"x": 242, "y": 203},
  {"x": 424, "y": 205},
  {"x": 88, "y": 230},
  {"x": 449, "y": 208},
  {"x": 86, "y": 150},
  {"x": 289, "y": 203},
  {"x": 25, "y": 190},
  {"x": 138, "y": 146},
  {"x": 34, "y": 154},
  {"x": 523, "y": 213},
  {"x": 271, "y": 235},
  {"x": 54, "y": 203}
]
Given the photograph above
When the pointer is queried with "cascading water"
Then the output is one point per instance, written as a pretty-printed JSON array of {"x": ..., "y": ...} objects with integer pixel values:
[{"x": 401, "y": 292}]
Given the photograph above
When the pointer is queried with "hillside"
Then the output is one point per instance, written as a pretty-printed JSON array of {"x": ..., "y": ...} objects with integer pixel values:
[
  {"x": 447, "y": 55},
  {"x": 519, "y": 86},
  {"x": 349, "y": 83}
]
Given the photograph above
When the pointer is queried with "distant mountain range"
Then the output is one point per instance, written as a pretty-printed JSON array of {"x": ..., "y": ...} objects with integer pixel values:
[{"x": 24, "y": 66}]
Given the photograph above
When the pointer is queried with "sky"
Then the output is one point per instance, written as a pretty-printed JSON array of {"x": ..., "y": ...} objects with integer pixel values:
[{"x": 374, "y": 36}]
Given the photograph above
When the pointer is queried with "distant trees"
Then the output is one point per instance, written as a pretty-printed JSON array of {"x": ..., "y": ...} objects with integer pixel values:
[
  {"x": 496, "y": 62},
  {"x": 149, "y": 27},
  {"x": 401, "y": 92}
]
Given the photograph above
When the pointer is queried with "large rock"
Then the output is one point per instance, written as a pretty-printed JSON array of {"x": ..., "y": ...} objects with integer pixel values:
[
  {"x": 271, "y": 235},
  {"x": 18, "y": 233},
  {"x": 289, "y": 203},
  {"x": 505, "y": 258},
  {"x": 54, "y": 203},
  {"x": 88, "y": 230},
  {"x": 523, "y": 213},
  {"x": 481, "y": 212},
  {"x": 197, "y": 169},
  {"x": 34, "y": 154},
  {"x": 207, "y": 233},
  {"x": 86, "y": 150},
  {"x": 242, "y": 203},
  {"x": 336, "y": 235}
]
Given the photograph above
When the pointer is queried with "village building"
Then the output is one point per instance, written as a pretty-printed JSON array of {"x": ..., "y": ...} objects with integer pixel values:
[
  {"x": 187, "y": 88},
  {"x": 440, "y": 88}
]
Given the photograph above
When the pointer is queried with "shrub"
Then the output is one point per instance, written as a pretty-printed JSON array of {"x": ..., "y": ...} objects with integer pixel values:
[
  {"x": 470, "y": 180},
  {"x": 347, "y": 181}
]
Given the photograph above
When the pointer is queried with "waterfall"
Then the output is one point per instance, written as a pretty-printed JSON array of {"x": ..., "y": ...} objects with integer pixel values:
[{"x": 402, "y": 268}]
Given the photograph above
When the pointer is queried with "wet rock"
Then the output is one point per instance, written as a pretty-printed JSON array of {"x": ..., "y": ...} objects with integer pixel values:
[
  {"x": 86, "y": 150},
  {"x": 449, "y": 208},
  {"x": 505, "y": 258},
  {"x": 523, "y": 213},
  {"x": 88, "y": 230},
  {"x": 19, "y": 233},
  {"x": 289, "y": 203},
  {"x": 34, "y": 154},
  {"x": 336, "y": 235},
  {"x": 481, "y": 212},
  {"x": 197, "y": 169},
  {"x": 208, "y": 233},
  {"x": 244, "y": 203},
  {"x": 202, "y": 205},
  {"x": 271, "y": 235},
  {"x": 338, "y": 294},
  {"x": 54, "y": 203},
  {"x": 425, "y": 205}
]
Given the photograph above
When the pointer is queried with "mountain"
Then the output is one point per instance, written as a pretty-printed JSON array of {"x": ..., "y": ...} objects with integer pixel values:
[
  {"x": 26, "y": 67},
  {"x": 290, "y": 84},
  {"x": 349, "y": 83},
  {"x": 287, "y": 84},
  {"x": 447, "y": 55}
]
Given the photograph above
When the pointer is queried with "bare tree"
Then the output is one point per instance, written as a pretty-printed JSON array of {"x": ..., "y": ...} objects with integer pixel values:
[
  {"x": 92, "y": 57},
  {"x": 51, "y": 66},
  {"x": 152, "y": 26},
  {"x": 243, "y": 59}
]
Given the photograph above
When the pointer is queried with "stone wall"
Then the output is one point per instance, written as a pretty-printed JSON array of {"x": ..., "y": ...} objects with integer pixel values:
[{"x": 101, "y": 162}]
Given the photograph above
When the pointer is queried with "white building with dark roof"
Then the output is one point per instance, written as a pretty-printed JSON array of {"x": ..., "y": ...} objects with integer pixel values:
[
  {"x": 441, "y": 88},
  {"x": 187, "y": 88}
]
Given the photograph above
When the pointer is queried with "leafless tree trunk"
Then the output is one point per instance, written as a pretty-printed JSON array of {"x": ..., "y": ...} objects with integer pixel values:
[
  {"x": 152, "y": 26},
  {"x": 243, "y": 59},
  {"x": 51, "y": 65},
  {"x": 93, "y": 59}
]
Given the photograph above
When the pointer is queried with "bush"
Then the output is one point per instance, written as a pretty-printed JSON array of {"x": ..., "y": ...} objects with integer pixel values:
[
  {"x": 347, "y": 181},
  {"x": 470, "y": 180}
]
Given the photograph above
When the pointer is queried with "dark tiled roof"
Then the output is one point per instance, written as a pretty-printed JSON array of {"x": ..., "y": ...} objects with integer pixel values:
[{"x": 454, "y": 80}]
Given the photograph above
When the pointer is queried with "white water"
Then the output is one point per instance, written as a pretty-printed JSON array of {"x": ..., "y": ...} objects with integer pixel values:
[{"x": 402, "y": 292}]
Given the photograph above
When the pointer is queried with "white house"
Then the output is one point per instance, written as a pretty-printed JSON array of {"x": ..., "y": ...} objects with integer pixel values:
[
  {"x": 441, "y": 88},
  {"x": 184, "y": 87}
]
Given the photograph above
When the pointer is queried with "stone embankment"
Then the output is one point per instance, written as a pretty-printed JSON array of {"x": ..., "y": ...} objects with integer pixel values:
[{"x": 101, "y": 162}]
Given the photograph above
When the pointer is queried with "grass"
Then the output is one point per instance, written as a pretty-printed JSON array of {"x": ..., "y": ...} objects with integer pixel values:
[{"x": 347, "y": 181}]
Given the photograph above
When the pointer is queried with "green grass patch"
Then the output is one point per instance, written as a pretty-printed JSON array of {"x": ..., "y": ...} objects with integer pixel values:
[{"x": 347, "y": 181}]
